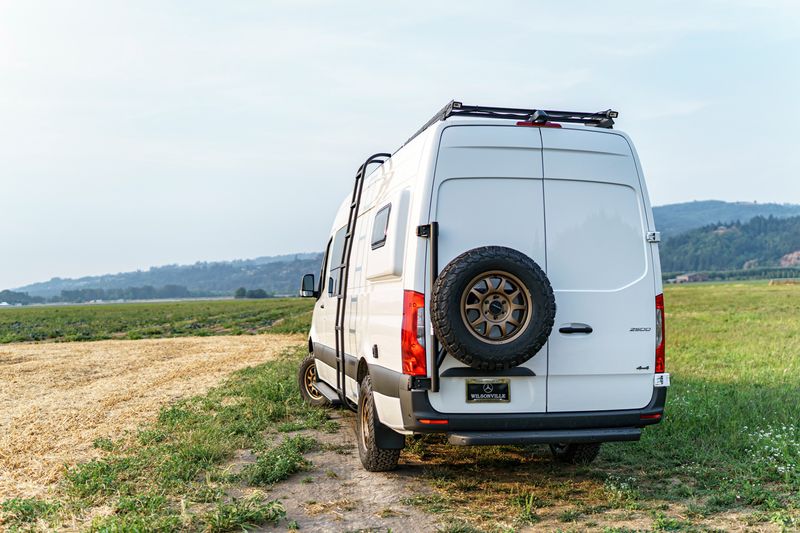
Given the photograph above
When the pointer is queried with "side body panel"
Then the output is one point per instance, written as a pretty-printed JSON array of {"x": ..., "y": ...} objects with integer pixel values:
[{"x": 375, "y": 286}]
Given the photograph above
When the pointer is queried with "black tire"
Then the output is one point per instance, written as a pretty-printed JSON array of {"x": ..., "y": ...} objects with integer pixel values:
[
  {"x": 373, "y": 458},
  {"x": 576, "y": 453},
  {"x": 450, "y": 320},
  {"x": 306, "y": 377}
]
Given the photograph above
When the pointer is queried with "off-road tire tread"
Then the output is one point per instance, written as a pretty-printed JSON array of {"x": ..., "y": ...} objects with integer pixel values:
[
  {"x": 578, "y": 453},
  {"x": 443, "y": 292},
  {"x": 301, "y": 384},
  {"x": 373, "y": 458}
]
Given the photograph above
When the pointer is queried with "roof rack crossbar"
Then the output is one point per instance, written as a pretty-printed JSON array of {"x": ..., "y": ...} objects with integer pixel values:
[{"x": 601, "y": 119}]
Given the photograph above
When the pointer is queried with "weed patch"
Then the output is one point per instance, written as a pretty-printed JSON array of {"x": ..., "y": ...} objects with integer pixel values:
[
  {"x": 22, "y": 512},
  {"x": 279, "y": 462}
]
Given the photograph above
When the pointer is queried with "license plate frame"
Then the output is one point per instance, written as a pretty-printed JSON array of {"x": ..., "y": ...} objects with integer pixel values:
[{"x": 488, "y": 390}]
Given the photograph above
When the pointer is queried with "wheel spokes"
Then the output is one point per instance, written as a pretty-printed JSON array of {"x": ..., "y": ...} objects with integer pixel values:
[
  {"x": 495, "y": 306},
  {"x": 478, "y": 321}
]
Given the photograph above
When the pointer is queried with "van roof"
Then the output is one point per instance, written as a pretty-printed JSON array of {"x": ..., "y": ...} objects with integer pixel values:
[{"x": 600, "y": 119}]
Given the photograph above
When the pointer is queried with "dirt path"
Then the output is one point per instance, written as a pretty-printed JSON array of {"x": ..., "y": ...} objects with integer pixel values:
[
  {"x": 56, "y": 399},
  {"x": 339, "y": 495}
]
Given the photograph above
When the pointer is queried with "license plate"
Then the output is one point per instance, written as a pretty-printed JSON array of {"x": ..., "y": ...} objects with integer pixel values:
[{"x": 488, "y": 390}]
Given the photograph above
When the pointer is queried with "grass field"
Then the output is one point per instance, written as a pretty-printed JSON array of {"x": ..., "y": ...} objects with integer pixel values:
[
  {"x": 154, "y": 320},
  {"x": 727, "y": 455}
]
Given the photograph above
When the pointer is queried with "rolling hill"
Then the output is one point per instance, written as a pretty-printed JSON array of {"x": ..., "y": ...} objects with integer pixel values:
[
  {"x": 279, "y": 275},
  {"x": 760, "y": 242},
  {"x": 674, "y": 219}
]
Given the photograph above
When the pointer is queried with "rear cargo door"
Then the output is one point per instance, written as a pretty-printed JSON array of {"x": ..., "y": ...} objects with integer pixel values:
[
  {"x": 488, "y": 191},
  {"x": 601, "y": 272}
]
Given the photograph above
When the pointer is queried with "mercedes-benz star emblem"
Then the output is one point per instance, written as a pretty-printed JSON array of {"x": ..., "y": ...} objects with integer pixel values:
[{"x": 488, "y": 388}]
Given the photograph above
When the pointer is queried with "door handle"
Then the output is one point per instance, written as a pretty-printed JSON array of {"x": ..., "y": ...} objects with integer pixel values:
[
  {"x": 575, "y": 328},
  {"x": 322, "y": 306}
]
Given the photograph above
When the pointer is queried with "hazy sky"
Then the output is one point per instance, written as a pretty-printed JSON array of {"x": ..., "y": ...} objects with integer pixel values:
[{"x": 143, "y": 133}]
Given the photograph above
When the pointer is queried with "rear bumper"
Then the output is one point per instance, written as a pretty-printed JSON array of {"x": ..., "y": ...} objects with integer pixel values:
[
  {"x": 501, "y": 428},
  {"x": 416, "y": 407}
]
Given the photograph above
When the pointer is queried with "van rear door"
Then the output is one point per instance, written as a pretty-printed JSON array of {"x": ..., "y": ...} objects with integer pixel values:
[
  {"x": 488, "y": 191},
  {"x": 600, "y": 267}
]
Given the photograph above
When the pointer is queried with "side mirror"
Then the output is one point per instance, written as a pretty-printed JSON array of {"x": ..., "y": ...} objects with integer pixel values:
[{"x": 308, "y": 288}]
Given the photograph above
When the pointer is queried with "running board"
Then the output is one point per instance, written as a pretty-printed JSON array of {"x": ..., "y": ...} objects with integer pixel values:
[
  {"x": 327, "y": 391},
  {"x": 486, "y": 438}
]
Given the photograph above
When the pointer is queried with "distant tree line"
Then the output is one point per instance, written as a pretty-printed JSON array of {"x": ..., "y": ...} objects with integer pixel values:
[
  {"x": 674, "y": 219},
  {"x": 19, "y": 298},
  {"x": 130, "y": 293},
  {"x": 146, "y": 292},
  {"x": 241, "y": 293},
  {"x": 741, "y": 275}
]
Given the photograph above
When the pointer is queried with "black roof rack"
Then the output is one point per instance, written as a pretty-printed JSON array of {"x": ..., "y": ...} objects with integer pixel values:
[{"x": 601, "y": 119}]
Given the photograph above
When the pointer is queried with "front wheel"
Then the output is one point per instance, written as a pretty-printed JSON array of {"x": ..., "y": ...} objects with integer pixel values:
[
  {"x": 374, "y": 458},
  {"x": 575, "y": 453},
  {"x": 307, "y": 381}
]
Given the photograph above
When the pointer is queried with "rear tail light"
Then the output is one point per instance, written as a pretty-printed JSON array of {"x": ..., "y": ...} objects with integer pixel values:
[
  {"x": 660, "y": 351},
  {"x": 412, "y": 336}
]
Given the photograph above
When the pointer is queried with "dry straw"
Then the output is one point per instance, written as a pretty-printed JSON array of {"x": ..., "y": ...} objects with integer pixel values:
[{"x": 56, "y": 399}]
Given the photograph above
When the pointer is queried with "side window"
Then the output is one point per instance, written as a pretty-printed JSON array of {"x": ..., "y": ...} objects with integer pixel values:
[
  {"x": 335, "y": 262},
  {"x": 379, "y": 226},
  {"x": 323, "y": 269}
]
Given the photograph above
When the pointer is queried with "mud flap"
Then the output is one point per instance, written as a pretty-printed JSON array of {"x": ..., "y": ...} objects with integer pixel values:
[{"x": 387, "y": 438}]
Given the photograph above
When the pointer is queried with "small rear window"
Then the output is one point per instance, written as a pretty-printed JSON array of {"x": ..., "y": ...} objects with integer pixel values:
[{"x": 380, "y": 226}]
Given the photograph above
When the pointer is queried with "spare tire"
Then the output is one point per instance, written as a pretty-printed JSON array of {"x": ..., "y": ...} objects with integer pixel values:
[{"x": 492, "y": 308}]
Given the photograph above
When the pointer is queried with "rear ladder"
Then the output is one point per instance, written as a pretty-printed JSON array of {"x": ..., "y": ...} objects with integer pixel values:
[{"x": 344, "y": 274}]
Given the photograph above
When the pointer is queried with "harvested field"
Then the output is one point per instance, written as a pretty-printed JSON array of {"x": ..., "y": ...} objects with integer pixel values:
[{"x": 57, "y": 399}]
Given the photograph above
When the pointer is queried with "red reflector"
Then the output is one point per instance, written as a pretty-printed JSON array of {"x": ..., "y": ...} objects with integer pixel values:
[
  {"x": 432, "y": 421},
  {"x": 412, "y": 334},
  {"x": 654, "y": 416},
  {"x": 539, "y": 124}
]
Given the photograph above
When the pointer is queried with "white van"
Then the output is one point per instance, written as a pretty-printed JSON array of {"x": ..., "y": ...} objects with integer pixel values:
[{"x": 496, "y": 279}]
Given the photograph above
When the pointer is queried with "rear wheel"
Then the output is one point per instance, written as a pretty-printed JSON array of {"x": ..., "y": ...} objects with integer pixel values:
[
  {"x": 374, "y": 458},
  {"x": 307, "y": 382},
  {"x": 575, "y": 453}
]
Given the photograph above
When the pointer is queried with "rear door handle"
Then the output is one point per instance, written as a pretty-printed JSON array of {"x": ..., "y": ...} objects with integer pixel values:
[{"x": 575, "y": 328}]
